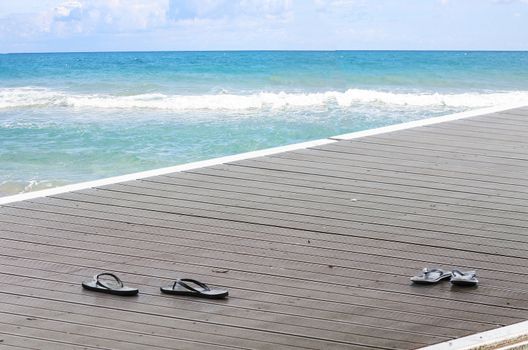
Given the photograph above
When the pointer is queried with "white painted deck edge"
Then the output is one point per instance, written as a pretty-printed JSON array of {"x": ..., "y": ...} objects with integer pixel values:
[
  {"x": 491, "y": 337},
  {"x": 254, "y": 154}
]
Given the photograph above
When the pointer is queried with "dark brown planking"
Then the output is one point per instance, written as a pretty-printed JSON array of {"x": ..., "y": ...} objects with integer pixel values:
[
  {"x": 214, "y": 238},
  {"x": 338, "y": 317},
  {"x": 314, "y": 291},
  {"x": 362, "y": 148},
  {"x": 395, "y": 276},
  {"x": 216, "y": 242},
  {"x": 198, "y": 307},
  {"x": 316, "y": 247},
  {"x": 307, "y": 200},
  {"x": 308, "y": 188},
  {"x": 313, "y": 202},
  {"x": 426, "y": 136},
  {"x": 388, "y": 186},
  {"x": 486, "y": 232},
  {"x": 448, "y": 157},
  {"x": 213, "y": 244},
  {"x": 337, "y": 171},
  {"x": 160, "y": 326},
  {"x": 200, "y": 319},
  {"x": 491, "y": 297},
  {"x": 363, "y": 231},
  {"x": 269, "y": 277},
  {"x": 250, "y": 295},
  {"x": 205, "y": 317},
  {"x": 23, "y": 340}
]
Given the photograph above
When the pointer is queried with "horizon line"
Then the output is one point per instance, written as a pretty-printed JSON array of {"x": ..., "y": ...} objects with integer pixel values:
[{"x": 267, "y": 50}]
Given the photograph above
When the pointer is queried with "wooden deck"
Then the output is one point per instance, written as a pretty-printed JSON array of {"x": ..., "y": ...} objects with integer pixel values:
[{"x": 316, "y": 247}]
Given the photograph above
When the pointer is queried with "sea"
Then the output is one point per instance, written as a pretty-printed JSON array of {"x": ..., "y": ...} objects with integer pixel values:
[{"x": 73, "y": 117}]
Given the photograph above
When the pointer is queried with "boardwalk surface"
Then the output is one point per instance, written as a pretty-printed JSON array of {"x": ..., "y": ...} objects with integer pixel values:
[{"x": 316, "y": 247}]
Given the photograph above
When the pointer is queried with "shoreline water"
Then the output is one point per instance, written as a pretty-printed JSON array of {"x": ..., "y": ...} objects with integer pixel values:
[
  {"x": 254, "y": 154},
  {"x": 70, "y": 118}
]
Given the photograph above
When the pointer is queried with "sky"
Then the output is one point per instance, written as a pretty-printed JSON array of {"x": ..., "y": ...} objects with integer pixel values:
[{"x": 152, "y": 25}]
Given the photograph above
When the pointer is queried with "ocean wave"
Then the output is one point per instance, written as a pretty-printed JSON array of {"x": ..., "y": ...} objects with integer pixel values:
[{"x": 40, "y": 97}]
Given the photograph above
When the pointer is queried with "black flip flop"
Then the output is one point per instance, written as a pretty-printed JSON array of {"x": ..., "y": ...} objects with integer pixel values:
[
  {"x": 111, "y": 287},
  {"x": 430, "y": 276},
  {"x": 201, "y": 290},
  {"x": 468, "y": 278}
]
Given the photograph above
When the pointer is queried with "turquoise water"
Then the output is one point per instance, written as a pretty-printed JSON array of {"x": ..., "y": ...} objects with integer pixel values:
[{"x": 71, "y": 117}]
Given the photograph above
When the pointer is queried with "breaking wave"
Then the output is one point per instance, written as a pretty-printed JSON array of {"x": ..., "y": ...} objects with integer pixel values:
[{"x": 41, "y": 97}]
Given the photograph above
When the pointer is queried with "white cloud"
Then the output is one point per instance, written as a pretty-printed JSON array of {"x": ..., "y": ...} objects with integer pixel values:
[
  {"x": 68, "y": 11},
  {"x": 187, "y": 9},
  {"x": 87, "y": 17}
]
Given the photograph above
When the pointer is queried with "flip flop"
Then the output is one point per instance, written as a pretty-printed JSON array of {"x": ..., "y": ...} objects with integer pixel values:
[
  {"x": 430, "y": 276},
  {"x": 467, "y": 278},
  {"x": 111, "y": 287},
  {"x": 201, "y": 290}
]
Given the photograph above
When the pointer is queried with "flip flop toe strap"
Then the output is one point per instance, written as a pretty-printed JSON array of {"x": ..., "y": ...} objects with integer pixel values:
[
  {"x": 457, "y": 273},
  {"x": 181, "y": 282},
  {"x": 101, "y": 283},
  {"x": 427, "y": 272},
  {"x": 465, "y": 275}
]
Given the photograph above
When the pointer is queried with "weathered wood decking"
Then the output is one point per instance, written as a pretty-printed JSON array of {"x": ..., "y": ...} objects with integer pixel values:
[{"x": 316, "y": 247}]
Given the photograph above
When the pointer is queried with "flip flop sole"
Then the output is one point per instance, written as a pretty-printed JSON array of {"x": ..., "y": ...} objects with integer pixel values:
[
  {"x": 430, "y": 281},
  {"x": 425, "y": 281},
  {"x": 464, "y": 283},
  {"x": 122, "y": 292},
  {"x": 219, "y": 295}
]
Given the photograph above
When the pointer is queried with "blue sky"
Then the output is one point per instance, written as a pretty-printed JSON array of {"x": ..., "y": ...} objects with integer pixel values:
[{"x": 124, "y": 25}]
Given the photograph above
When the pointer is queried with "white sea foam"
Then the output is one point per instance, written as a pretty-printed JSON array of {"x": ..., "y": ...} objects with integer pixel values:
[
  {"x": 11, "y": 187},
  {"x": 40, "y": 97}
]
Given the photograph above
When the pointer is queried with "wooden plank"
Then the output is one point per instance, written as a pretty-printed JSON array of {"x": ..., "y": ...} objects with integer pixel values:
[
  {"x": 515, "y": 114},
  {"x": 300, "y": 283},
  {"x": 499, "y": 118},
  {"x": 148, "y": 202},
  {"x": 158, "y": 324},
  {"x": 308, "y": 200},
  {"x": 314, "y": 290},
  {"x": 478, "y": 130},
  {"x": 23, "y": 340},
  {"x": 335, "y": 339},
  {"x": 305, "y": 188},
  {"x": 319, "y": 237},
  {"x": 407, "y": 146},
  {"x": 488, "y": 125},
  {"x": 339, "y": 272},
  {"x": 506, "y": 256},
  {"x": 388, "y": 176},
  {"x": 346, "y": 310},
  {"x": 323, "y": 253},
  {"x": 507, "y": 166},
  {"x": 388, "y": 184},
  {"x": 163, "y": 331},
  {"x": 424, "y": 136},
  {"x": 407, "y": 151}
]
